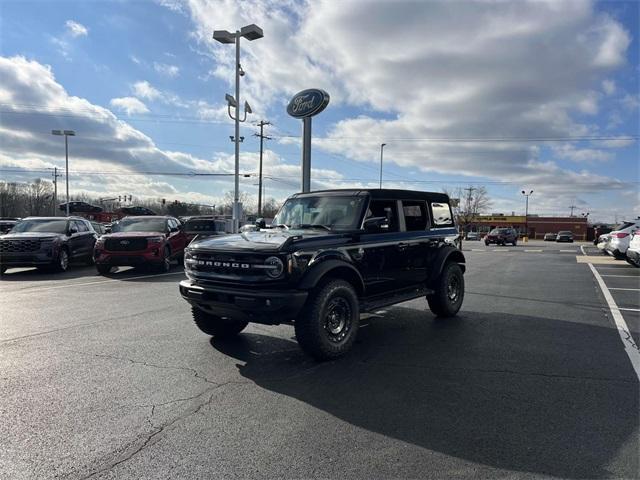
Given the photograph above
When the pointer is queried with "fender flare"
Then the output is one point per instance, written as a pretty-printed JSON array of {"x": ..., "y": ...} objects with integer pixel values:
[
  {"x": 446, "y": 254},
  {"x": 339, "y": 268}
]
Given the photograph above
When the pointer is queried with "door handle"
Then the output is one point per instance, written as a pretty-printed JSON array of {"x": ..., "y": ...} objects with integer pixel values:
[{"x": 402, "y": 246}]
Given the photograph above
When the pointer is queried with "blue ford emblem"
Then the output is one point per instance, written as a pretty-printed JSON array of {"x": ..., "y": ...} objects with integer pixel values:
[{"x": 308, "y": 103}]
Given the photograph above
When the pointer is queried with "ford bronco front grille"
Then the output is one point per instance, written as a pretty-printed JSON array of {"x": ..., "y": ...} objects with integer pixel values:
[
  {"x": 125, "y": 244},
  {"x": 249, "y": 266},
  {"x": 19, "y": 246}
]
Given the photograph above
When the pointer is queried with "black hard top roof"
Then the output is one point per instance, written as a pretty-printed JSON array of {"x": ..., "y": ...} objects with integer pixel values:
[{"x": 386, "y": 193}]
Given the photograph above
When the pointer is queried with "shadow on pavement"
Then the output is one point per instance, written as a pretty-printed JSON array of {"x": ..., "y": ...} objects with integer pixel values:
[
  {"x": 34, "y": 274},
  {"x": 90, "y": 273},
  {"x": 514, "y": 392}
]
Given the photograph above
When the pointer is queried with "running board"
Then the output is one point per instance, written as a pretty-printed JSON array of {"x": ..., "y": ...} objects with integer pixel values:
[{"x": 373, "y": 303}]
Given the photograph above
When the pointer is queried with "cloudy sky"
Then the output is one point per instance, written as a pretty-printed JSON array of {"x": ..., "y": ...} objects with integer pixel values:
[{"x": 509, "y": 95}]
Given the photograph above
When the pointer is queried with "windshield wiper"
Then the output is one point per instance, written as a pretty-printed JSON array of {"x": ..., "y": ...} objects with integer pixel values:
[
  {"x": 312, "y": 225},
  {"x": 281, "y": 225}
]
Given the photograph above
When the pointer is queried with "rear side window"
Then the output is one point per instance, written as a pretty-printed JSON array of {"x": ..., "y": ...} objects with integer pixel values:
[
  {"x": 441, "y": 214},
  {"x": 415, "y": 215}
]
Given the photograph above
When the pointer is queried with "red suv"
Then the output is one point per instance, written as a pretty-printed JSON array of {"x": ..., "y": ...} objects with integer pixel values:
[{"x": 140, "y": 241}]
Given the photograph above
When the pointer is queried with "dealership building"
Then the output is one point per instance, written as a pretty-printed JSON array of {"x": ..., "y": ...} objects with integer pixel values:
[{"x": 536, "y": 225}]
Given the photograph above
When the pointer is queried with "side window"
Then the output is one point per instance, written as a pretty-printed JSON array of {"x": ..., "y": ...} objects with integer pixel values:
[
  {"x": 415, "y": 215},
  {"x": 441, "y": 214},
  {"x": 171, "y": 223},
  {"x": 385, "y": 208},
  {"x": 80, "y": 226}
]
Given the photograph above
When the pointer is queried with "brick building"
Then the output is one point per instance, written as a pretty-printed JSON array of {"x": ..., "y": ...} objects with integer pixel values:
[{"x": 537, "y": 225}]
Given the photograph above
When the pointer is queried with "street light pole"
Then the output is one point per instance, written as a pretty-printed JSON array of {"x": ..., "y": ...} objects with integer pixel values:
[
  {"x": 382, "y": 145},
  {"x": 526, "y": 213},
  {"x": 66, "y": 133},
  {"x": 250, "y": 32}
]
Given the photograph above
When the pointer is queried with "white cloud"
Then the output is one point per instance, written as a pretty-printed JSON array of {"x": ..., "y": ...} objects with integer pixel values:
[
  {"x": 171, "y": 71},
  {"x": 631, "y": 102},
  {"x": 129, "y": 105},
  {"x": 76, "y": 29},
  {"x": 583, "y": 155},
  {"x": 608, "y": 86},
  {"x": 144, "y": 89},
  {"x": 134, "y": 59}
]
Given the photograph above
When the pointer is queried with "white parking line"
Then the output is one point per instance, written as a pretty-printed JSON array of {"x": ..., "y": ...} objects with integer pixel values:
[
  {"x": 630, "y": 289},
  {"x": 582, "y": 249},
  {"x": 569, "y": 251},
  {"x": 29, "y": 290},
  {"x": 477, "y": 250},
  {"x": 532, "y": 250},
  {"x": 500, "y": 250},
  {"x": 629, "y": 309},
  {"x": 626, "y": 276},
  {"x": 630, "y": 346}
]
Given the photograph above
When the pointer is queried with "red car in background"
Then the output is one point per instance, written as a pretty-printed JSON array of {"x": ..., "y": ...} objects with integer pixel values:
[{"x": 141, "y": 241}]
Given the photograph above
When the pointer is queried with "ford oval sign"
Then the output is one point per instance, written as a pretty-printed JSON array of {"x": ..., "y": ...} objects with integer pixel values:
[{"x": 308, "y": 103}]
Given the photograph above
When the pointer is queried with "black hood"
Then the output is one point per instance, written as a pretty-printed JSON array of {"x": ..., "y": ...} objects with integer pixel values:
[
  {"x": 269, "y": 240},
  {"x": 31, "y": 236}
]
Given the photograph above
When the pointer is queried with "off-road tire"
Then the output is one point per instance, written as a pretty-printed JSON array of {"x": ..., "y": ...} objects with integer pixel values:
[
  {"x": 219, "y": 327},
  {"x": 103, "y": 269},
  {"x": 441, "y": 302},
  {"x": 319, "y": 328}
]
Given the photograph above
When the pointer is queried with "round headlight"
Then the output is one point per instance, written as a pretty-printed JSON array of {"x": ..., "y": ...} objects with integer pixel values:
[{"x": 276, "y": 267}]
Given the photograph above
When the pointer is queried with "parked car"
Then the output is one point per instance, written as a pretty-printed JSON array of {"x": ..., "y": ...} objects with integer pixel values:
[
  {"x": 134, "y": 210},
  {"x": 618, "y": 240},
  {"x": 564, "y": 236},
  {"x": 203, "y": 227},
  {"x": 550, "y": 237},
  {"x": 327, "y": 257},
  {"x": 80, "y": 207},
  {"x": 141, "y": 241},
  {"x": 49, "y": 243},
  {"x": 502, "y": 236},
  {"x": 99, "y": 228},
  {"x": 633, "y": 251},
  {"x": 473, "y": 236},
  {"x": 7, "y": 223}
]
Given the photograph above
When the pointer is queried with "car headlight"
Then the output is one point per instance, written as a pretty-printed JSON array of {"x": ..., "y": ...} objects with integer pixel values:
[
  {"x": 155, "y": 240},
  {"x": 275, "y": 267}
]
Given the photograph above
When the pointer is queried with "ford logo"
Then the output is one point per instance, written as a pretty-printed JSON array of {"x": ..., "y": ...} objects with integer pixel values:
[
  {"x": 124, "y": 242},
  {"x": 308, "y": 103}
]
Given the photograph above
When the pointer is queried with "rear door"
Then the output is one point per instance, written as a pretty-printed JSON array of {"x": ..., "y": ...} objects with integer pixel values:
[
  {"x": 415, "y": 244},
  {"x": 176, "y": 237},
  {"x": 78, "y": 240}
]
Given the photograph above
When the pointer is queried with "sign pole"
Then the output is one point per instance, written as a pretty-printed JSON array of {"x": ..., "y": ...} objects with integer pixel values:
[{"x": 306, "y": 154}]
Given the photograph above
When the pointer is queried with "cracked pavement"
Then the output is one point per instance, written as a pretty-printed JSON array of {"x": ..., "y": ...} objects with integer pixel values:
[{"x": 112, "y": 380}]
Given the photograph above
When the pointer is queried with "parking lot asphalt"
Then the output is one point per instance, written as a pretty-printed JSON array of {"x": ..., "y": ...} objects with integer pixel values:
[{"x": 108, "y": 378}]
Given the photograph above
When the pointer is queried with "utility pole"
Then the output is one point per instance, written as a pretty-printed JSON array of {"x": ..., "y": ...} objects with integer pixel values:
[
  {"x": 572, "y": 207},
  {"x": 262, "y": 138},
  {"x": 526, "y": 215},
  {"x": 55, "y": 190},
  {"x": 382, "y": 145}
]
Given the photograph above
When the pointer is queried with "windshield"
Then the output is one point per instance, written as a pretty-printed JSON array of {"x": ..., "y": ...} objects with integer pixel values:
[
  {"x": 45, "y": 226},
  {"x": 565, "y": 232},
  {"x": 623, "y": 225},
  {"x": 496, "y": 231},
  {"x": 334, "y": 213},
  {"x": 140, "y": 225}
]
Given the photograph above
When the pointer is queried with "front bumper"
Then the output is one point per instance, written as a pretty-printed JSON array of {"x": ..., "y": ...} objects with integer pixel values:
[
  {"x": 270, "y": 307},
  {"x": 564, "y": 239},
  {"x": 128, "y": 259},
  {"x": 30, "y": 259}
]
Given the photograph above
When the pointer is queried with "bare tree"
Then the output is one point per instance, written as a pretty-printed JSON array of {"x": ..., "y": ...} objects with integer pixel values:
[
  {"x": 244, "y": 198},
  {"x": 11, "y": 199},
  {"x": 270, "y": 208},
  {"x": 39, "y": 195},
  {"x": 468, "y": 203}
]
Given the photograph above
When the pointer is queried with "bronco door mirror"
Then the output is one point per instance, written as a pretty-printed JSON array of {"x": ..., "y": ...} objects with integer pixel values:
[
  {"x": 260, "y": 223},
  {"x": 376, "y": 224}
]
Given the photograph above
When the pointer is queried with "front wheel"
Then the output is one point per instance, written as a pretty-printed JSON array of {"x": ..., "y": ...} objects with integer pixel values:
[
  {"x": 103, "y": 269},
  {"x": 328, "y": 325},
  {"x": 449, "y": 291},
  {"x": 165, "y": 266},
  {"x": 62, "y": 262},
  {"x": 219, "y": 327}
]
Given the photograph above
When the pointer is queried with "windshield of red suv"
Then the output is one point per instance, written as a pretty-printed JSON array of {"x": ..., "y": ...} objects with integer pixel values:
[
  {"x": 42, "y": 225},
  {"x": 334, "y": 213},
  {"x": 140, "y": 225}
]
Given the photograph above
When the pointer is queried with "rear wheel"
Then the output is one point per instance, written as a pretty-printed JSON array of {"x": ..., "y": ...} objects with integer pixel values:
[
  {"x": 219, "y": 327},
  {"x": 165, "y": 266},
  {"x": 328, "y": 324},
  {"x": 449, "y": 291}
]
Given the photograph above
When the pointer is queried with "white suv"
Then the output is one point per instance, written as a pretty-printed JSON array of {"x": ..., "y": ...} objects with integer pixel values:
[
  {"x": 618, "y": 240},
  {"x": 633, "y": 252}
]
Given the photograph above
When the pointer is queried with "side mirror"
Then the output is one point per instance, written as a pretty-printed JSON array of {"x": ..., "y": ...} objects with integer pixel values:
[
  {"x": 376, "y": 224},
  {"x": 174, "y": 229},
  {"x": 260, "y": 223},
  {"x": 73, "y": 230}
]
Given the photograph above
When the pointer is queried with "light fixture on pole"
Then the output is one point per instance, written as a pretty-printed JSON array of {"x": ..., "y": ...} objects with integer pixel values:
[
  {"x": 382, "y": 145},
  {"x": 250, "y": 32},
  {"x": 526, "y": 212},
  {"x": 67, "y": 134}
]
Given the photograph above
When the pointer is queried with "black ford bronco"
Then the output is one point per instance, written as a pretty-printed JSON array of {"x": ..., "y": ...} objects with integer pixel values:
[{"x": 327, "y": 257}]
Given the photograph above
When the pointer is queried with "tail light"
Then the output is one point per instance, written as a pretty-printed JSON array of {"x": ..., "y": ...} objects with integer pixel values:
[{"x": 620, "y": 235}]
